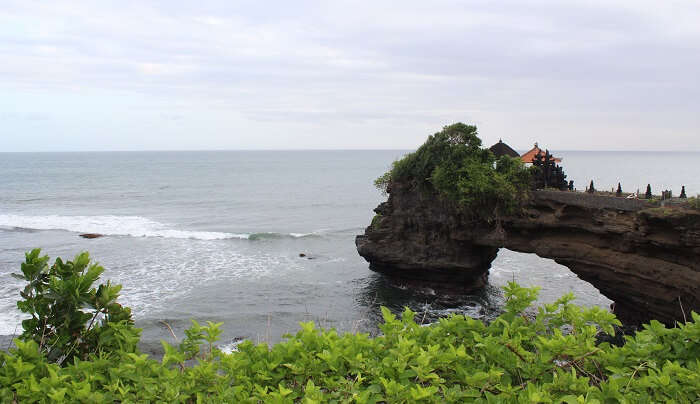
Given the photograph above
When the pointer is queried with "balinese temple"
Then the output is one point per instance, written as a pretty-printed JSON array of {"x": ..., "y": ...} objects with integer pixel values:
[
  {"x": 530, "y": 155},
  {"x": 502, "y": 149},
  {"x": 549, "y": 174}
]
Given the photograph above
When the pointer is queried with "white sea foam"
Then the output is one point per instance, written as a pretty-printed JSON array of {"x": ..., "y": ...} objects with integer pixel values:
[
  {"x": 111, "y": 225},
  {"x": 231, "y": 346},
  {"x": 134, "y": 226},
  {"x": 300, "y": 235},
  {"x": 153, "y": 284},
  {"x": 10, "y": 322}
]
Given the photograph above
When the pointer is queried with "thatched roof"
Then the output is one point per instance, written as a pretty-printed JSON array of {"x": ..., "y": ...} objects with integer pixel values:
[{"x": 502, "y": 149}]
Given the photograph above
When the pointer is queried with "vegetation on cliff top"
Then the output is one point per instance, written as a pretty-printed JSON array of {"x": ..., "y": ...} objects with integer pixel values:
[
  {"x": 453, "y": 163},
  {"x": 515, "y": 359},
  {"x": 694, "y": 202}
]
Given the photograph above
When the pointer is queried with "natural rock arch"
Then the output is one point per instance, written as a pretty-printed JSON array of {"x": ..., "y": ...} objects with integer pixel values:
[{"x": 644, "y": 258}]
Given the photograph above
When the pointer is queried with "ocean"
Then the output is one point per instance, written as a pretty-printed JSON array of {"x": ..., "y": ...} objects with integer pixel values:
[{"x": 218, "y": 235}]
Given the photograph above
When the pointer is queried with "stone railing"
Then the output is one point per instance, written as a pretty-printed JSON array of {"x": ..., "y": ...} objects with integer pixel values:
[{"x": 593, "y": 201}]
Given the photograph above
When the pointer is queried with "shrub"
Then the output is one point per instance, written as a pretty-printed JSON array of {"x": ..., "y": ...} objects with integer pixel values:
[
  {"x": 382, "y": 182},
  {"x": 376, "y": 221},
  {"x": 515, "y": 358},
  {"x": 694, "y": 202},
  {"x": 453, "y": 163},
  {"x": 69, "y": 317}
]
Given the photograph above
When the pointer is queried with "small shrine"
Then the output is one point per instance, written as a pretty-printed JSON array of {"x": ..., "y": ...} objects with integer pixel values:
[
  {"x": 528, "y": 157},
  {"x": 549, "y": 173}
]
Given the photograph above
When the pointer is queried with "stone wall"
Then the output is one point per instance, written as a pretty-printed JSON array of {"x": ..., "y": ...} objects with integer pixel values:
[{"x": 593, "y": 201}]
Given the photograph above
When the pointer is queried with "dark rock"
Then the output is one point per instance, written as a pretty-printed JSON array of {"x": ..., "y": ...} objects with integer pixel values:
[
  {"x": 618, "y": 337},
  {"x": 91, "y": 235},
  {"x": 302, "y": 255},
  {"x": 646, "y": 259}
]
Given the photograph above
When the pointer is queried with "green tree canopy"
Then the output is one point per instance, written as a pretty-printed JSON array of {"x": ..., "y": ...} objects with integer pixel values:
[{"x": 453, "y": 163}]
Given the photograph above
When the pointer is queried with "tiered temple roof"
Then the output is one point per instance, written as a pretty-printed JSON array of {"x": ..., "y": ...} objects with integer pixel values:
[{"x": 530, "y": 155}]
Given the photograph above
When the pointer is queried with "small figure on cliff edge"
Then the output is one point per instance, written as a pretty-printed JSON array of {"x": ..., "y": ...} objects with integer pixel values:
[
  {"x": 619, "y": 190},
  {"x": 683, "y": 195},
  {"x": 648, "y": 195},
  {"x": 591, "y": 188}
]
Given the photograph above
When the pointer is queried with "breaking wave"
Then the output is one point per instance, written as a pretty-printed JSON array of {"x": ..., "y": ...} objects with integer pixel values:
[
  {"x": 132, "y": 226},
  {"x": 272, "y": 235}
]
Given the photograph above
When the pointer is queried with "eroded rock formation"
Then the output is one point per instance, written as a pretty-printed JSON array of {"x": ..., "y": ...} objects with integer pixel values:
[
  {"x": 91, "y": 235},
  {"x": 643, "y": 257}
]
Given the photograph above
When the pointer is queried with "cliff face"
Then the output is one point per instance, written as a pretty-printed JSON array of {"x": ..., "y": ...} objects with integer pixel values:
[{"x": 645, "y": 258}]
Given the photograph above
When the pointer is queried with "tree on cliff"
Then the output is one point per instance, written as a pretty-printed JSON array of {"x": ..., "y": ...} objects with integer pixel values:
[
  {"x": 453, "y": 163},
  {"x": 647, "y": 194}
]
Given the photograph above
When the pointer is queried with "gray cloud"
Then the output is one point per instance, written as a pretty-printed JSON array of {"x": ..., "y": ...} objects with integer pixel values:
[{"x": 577, "y": 74}]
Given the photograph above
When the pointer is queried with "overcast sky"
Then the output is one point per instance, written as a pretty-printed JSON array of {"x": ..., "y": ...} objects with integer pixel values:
[{"x": 156, "y": 75}]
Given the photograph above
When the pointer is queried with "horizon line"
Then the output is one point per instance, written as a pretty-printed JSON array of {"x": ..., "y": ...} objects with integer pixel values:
[{"x": 318, "y": 150}]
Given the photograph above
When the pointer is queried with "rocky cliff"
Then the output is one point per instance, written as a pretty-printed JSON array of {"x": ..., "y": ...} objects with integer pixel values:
[{"x": 643, "y": 257}]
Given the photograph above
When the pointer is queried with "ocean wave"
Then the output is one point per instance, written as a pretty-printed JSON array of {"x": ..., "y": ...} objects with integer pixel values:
[
  {"x": 132, "y": 226},
  {"x": 109, "y": 225},
  {"x": 273, "y": 235}
]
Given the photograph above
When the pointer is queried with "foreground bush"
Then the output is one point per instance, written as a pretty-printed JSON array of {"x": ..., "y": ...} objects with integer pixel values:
[
  {"x": 515, "y": 358},
  {"x": 69, "y": 317}
]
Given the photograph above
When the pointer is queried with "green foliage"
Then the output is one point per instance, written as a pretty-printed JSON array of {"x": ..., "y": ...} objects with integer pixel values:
[
  {"x": 69, "y": 317},
  {"x": 376, "y": 221},
  {"x": 514, "y": 359},
  {"x": 383, "y": 181},
  {"x": 453, "y": 163},
  {"x": 694, "y": 202},
  {"x": 190, "y": 347}
]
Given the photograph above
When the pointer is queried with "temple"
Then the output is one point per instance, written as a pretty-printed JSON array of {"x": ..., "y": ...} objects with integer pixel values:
[
  {"x": 549, "y": 175},
  {"x": 528, "y": 157},
  {"x": 502, "y": 149}
]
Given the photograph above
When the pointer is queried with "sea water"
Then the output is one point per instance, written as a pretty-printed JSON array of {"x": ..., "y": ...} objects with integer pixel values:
[{"x": 218, "y": 235}]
